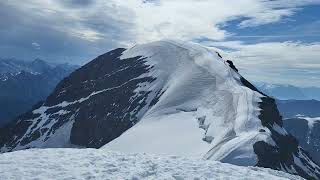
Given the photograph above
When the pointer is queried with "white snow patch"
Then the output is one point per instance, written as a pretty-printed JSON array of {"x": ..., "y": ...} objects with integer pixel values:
[
  {"x": 59, "y": 138},
  {"x": 310, "y": 120},
  {"x": 99, "y": 164}
]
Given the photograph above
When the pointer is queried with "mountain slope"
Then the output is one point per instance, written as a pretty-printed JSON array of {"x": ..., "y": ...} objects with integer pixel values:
[
  {"x": 99, "y": 164},
  {"x": 173, "y": 98},
  {"x": 307, "y": 131},
  {"x": 312, "y": 92},
  {"x": 23, "y": 84},
  {"x": 301, "y": 119},
  {"x": 85, "y": 107}
]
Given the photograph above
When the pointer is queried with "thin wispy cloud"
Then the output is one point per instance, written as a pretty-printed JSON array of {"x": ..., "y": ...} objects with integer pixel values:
[
  {"x": 35, "y": 45},
  {"x": 279, "y": 36},
  {"x": 192, "y": 19}
]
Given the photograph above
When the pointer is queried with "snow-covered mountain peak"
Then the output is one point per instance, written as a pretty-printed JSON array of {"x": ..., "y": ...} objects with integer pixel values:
[
  {"x": 199, "y": 92},
  {"x": 172, "y": 55},
  {"x": 175, "y": 63},
  {"x": 165, "y": 97}
]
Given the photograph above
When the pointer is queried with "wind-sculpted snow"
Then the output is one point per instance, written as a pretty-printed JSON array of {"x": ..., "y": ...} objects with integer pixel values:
[
  {"x": 99, "y": 164},
  {"x": 165, "y": 97}
]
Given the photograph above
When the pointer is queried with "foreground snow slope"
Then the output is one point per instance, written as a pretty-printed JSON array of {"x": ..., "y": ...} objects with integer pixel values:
[{"x": 99, "y": 164}]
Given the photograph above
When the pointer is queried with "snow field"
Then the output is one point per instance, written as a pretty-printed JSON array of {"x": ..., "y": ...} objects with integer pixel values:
[{"x": 91, "y": 164}]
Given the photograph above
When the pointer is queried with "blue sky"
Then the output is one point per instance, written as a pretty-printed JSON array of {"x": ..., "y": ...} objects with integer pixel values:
[
  {"x": 303, "y": 26},
  {"x": 276, "y": 41}
]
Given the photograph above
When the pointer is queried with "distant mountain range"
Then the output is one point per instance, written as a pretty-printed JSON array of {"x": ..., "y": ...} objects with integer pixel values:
[
  {"x": 23, "y": 84},
  {"x": 293, "y": 108},
  {"x": 285, "y": 92}
]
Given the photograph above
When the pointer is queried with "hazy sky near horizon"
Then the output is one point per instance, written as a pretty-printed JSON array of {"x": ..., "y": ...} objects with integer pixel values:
[{"x": 276, "y": 41}]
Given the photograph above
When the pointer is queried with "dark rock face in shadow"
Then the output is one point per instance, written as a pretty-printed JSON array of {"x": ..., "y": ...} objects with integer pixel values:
[
  {"x": 281, "y": 156},
  {"x": 101, "y": 104},
  {"x": 232, "y": 65}
]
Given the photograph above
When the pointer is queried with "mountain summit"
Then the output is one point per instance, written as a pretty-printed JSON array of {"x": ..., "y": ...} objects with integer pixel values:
[{"x": 165, "y": 97}]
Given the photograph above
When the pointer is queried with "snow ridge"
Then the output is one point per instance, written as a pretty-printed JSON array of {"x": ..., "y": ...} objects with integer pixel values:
[{"x": 196, "y": 84}]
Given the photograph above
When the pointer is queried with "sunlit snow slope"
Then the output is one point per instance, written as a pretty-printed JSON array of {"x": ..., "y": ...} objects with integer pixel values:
[{"x": 98, "y": 164}]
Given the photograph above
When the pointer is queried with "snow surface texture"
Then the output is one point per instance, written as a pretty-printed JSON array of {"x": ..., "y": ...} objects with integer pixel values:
[
  {"x": 204, "y": 109},
  {"x": 100, "y": 164}
]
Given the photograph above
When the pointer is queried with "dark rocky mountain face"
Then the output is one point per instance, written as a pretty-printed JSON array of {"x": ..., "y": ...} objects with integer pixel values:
[
  {"x": 99, "y": 101},
  {"x": 285, "y": 154},
  {"x": 23, "y": 84},
  {"x": 113, "y": 106},
  {"x": 300, "y": 117}
]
